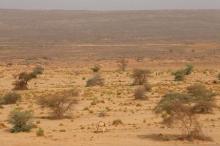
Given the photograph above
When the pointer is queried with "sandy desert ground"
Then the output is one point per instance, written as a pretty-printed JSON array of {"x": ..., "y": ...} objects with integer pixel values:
[{"x": 140, "y": 126}]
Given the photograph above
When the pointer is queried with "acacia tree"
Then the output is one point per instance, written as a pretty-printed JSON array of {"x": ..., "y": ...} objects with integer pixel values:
[{"x": 176, "y": 109}]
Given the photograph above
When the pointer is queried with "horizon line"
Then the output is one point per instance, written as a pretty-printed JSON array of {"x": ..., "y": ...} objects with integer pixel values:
[{"x": 111, "y": 10}]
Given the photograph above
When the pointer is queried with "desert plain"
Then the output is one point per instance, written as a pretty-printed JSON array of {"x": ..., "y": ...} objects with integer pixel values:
[{"x": 28, "y": 40}]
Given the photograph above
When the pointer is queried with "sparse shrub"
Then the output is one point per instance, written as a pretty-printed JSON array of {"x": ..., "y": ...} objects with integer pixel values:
[
  {"x": 175, "y": 110},
  {"x": 96, "y": 80},
  {"x": 21, "y": 120},
  {"x": 96, "y": 68},
  {"x": 140, "y": 76},
  {"x": 59, "y": 102},
  {"x": 40, "y": 132},
  {"x": 38, "y": 70},
  {"x": 122, "y": 64},
  {"x": 139, "y": 93},
  {"x": 10, "y": 98}
]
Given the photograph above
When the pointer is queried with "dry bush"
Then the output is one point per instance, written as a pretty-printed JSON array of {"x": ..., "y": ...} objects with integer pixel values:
[
  {"x": 23, "y": 78},
  {"x": 59, "y": 102},
  {"x": 96, "y": 80},
  {"x": 10, "y": 98},
  {"x": 22, "y": 81},
  {"x": 117, "y": 122},
  {"x": 175, "y": 110},
  {"x": 20, "y": 85},
  {"x": 139, "y": 93},
  {"x": 21, "y": 120},
  {"x": 96, "y": 68},
  {"x": 122, "y": 64},
  {"x": 140, "y": 76}
]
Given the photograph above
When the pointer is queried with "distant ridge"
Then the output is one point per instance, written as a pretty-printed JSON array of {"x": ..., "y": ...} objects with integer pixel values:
[{"x": 57, "y": 26}]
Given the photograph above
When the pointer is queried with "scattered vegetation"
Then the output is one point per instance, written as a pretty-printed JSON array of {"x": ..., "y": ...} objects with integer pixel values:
[
  {"x": 96, "y": 80},
  {"x": 21, "y": 120},
  {"x": 59, "y": 102},
  {"x": 10, "y": 98},
  {"x": 140, "y": 76}
]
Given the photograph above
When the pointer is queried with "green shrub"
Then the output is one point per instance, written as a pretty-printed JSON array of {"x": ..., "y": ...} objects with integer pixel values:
[
  {"x": 140, "y": 76},
  {"x": 59, "y": 102},
  {"x": 96, "y": 80},
  {"x": 21, "y": 120},
  {"x": 10, "y": 98},
  {"x": 179, "y": 75}
]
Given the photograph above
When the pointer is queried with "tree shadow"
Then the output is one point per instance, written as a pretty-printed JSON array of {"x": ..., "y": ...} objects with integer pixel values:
[{"x": 173, "y": 137}]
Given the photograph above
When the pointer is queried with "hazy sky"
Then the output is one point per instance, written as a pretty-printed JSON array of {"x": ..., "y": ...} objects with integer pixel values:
[{"x": 110, "y": 4}]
